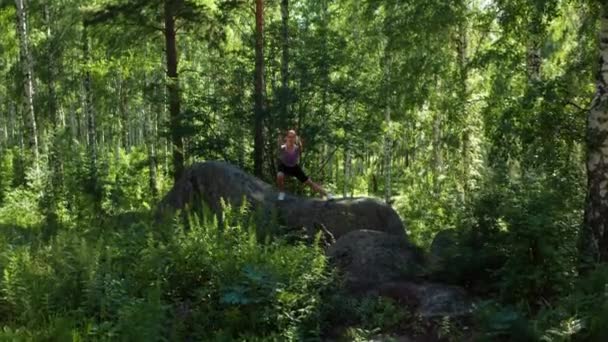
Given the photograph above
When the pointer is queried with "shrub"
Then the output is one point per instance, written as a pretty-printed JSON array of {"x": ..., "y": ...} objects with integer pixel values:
[
  {"x": 20, "y": 209},
  {"x": 127, "y": 282}
]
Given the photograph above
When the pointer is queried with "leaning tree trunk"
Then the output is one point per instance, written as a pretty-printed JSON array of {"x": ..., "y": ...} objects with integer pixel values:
[
  {"x": 28, "y": 69},
  {"x": 594, "y": 237},
  {"x": 258, "y": 148},
  {"x": 173, "y": 90}
]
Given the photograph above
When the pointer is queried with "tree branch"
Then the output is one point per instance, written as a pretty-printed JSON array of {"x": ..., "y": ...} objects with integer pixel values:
[{"x": 570, "y": 102}]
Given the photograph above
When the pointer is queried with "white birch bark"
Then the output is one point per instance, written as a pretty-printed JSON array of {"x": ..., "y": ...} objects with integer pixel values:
[
  {"x": 594, "y": 237},
  {"x": 466, "y": 130},
  {"x": 27, "y": 68}
]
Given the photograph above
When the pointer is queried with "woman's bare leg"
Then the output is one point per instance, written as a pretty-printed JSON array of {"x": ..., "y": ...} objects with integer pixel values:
[
  {"x": 281, "y": 185},
  {"x": 281, "y": 181}
]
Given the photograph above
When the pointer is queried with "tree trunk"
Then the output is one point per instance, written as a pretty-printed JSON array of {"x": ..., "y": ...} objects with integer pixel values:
[
  {"x": 74, "y": 124},
  {"x": 347, "y": 171},
  {"x": 347, "y": 153},
  {"x": 150, "y": 142},
  {"x": 173, "y": 91},
  {"x": 466, "y": 131},
  {"x": 594, "y": 237},
  {"x": 387, "y": 155},
  {"x": 124, "y": 117},
  {"x": 437, "y": 156},
  {"x": 387, "y": 137},
  {"x": 161, "y": 141},
  {"x": 54, "y": 161},
  {"x": 533, "y": 55},
  {"x": 28, "y": 69},
  {"x": 11, "y": 123},
  {"x": 3, "y": 134},
  {"x": 51, "y": 69},
  {"x": 88, "y": 95},
  {"x": 285, "y": 96},
  {"x": 324, "y": 28},
  {"x": 259, "y": 110}
]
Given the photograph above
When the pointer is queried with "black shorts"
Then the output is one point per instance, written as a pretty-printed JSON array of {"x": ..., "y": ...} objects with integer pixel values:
[{"x": 295, "y": 171}]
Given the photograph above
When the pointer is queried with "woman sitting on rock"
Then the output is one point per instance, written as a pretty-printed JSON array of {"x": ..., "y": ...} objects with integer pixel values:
[{"x": 289, "y": 158}]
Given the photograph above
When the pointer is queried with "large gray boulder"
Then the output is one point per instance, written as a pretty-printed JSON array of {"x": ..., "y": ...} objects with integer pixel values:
[
  {"x": 367, "y": 258},
  {"x": 212, "y": 181},
  {"x": 342, "y": 216}
]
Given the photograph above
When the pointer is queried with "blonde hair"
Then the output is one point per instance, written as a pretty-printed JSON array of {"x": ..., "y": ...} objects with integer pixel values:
[{"x": 297, "y": 142}]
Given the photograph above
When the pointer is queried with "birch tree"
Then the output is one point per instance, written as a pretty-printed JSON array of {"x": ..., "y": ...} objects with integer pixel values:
[
  {"x": 594, "y": 237},
  {"x": 28, "y": 71}
]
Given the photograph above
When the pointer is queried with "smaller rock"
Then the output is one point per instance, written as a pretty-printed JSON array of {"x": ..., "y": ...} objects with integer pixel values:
[
  {"x": 444, "y": 243},
  {"x": 430, "y": 300},
  {"x": 368, "y": 258},
  {"x": 437, "y": 300}
]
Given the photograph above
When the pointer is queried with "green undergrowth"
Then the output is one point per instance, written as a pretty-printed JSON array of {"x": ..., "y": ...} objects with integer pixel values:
[{"x": 139, "y": 281}]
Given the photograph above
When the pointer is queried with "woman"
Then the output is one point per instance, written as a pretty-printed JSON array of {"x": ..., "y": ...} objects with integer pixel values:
[{"x": 289, "y": 158}]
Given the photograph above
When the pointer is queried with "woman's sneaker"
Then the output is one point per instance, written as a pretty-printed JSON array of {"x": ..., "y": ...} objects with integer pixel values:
[{"x": 281, "y": 196}]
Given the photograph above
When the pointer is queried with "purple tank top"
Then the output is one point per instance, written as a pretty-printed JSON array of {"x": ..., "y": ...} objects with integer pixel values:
[{"x": 290, "y": 158}]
